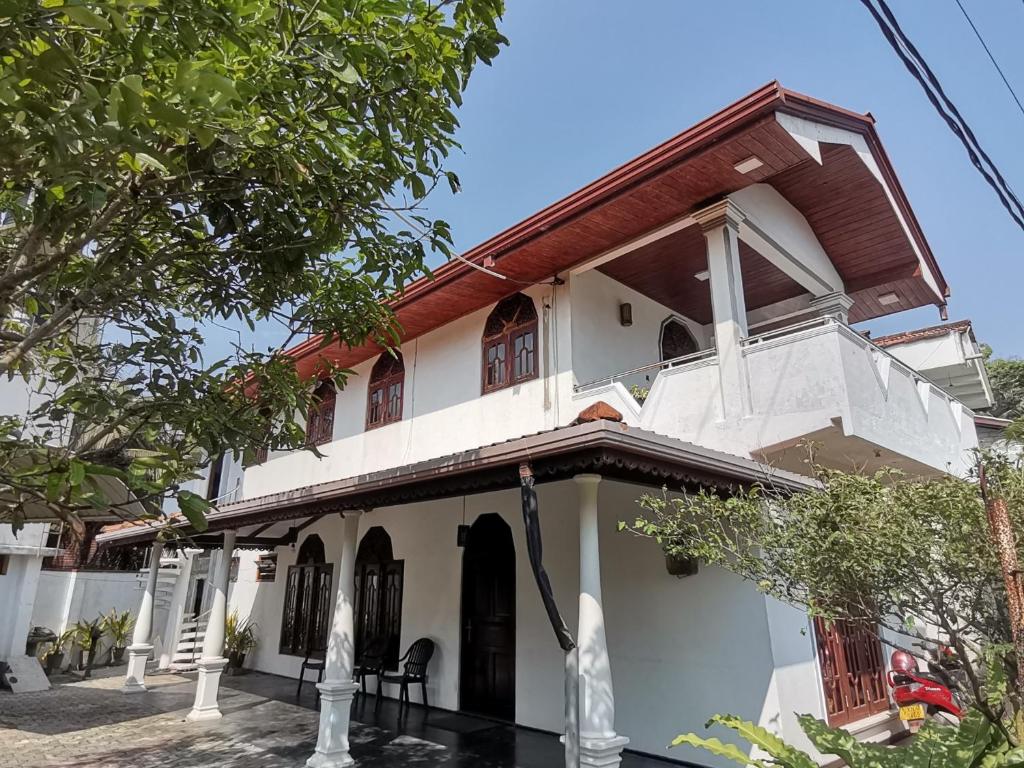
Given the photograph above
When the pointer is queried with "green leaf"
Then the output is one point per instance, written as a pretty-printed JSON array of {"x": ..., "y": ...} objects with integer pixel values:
[
  {"x": 83, "y": 16},
  {"x": 194, "y": 508},
  {"x": 718, "y": 748}
]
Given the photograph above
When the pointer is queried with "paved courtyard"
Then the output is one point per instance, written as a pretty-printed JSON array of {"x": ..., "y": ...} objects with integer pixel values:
[{"x": 91, "y": 724}]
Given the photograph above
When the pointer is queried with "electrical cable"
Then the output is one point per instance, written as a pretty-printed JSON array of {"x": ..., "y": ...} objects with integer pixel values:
[
  {"x": 990, "y": 56},
  {"x": 915, "y": 64}
]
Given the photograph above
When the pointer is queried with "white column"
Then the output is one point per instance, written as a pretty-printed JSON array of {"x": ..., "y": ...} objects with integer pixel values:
[
  {"x": 212, "y": 663},
  {"x": 599, "y": 744},
  {"x": 338, "y": 688},
  {"x": 141, "y": 647},
  {"x": 720, "y": 223},
  {"x": 835, "y": 305},
  {"x": 176, "y": 610}
]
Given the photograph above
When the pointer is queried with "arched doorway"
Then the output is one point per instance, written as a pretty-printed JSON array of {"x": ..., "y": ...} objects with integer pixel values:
[{"x": 487, "y": 684}]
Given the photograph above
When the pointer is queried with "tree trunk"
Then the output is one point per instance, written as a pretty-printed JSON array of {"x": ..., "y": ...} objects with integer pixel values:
[{"x": 1001, "y": 531}]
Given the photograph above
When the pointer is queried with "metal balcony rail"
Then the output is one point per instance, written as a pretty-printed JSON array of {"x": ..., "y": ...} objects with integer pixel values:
[{"x": 693, "y": 357}]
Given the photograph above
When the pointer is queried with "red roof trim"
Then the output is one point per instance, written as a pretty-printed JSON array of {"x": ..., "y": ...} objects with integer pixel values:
[
  {"x": 931, "y": 332},
  {"x": 717, "y": 127}
]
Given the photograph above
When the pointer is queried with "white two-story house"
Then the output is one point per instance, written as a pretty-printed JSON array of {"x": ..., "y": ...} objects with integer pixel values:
[{"x": 697, "y": 304}]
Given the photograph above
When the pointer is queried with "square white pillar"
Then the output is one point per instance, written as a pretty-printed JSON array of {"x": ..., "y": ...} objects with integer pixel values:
[{"x": 720, "y": 223}]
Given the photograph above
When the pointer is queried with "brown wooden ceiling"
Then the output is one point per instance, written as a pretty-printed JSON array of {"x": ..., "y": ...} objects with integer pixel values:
[
  {"x": 842, "y": 202},
  {"x": 665, "y": 269}
]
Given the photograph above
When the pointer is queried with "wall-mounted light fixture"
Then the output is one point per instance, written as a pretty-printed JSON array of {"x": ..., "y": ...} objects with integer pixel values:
[{"x": 626, "y": 314}]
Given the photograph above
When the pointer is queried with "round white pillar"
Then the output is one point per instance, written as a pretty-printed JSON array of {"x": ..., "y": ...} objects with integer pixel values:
[
  {"x": 141, "y": 647},
  {"x": 212, "y": 663},
  {"x": 338, "y": 688},
  {"x": 599, "y": 744}
]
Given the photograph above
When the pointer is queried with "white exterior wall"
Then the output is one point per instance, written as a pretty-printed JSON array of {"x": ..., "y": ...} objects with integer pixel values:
[
  {"x": 681, "y": 649},
  {"x": 443, "y": 410},
  {"x": 602, "y": 346},
  {"x": 67, "y": 597}
]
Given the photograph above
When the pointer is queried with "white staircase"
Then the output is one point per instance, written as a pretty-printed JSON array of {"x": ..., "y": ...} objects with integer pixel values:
[
  {"x": 190, "y": 643},
  {"x": 170, "y": 568}
]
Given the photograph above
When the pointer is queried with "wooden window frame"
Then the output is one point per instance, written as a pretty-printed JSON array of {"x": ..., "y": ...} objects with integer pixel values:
[
  {"x": 305, "y": 632},
  {"x": 852, "y": 668},
  {"x": 379, "y": 589},
  {"x": 382, "y": 383},
  {"x": 320, "y": 421},
  {"x": 507, "y": 336}
]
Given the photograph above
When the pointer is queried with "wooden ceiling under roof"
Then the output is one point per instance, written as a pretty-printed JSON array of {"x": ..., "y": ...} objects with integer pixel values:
[{"x": 844, "y": 204}]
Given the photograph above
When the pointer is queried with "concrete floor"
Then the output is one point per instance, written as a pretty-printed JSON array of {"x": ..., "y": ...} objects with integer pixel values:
[{"x": 91, "y": 724}]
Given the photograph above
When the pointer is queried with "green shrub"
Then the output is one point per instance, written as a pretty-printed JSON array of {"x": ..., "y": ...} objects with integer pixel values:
[{"x": 975, "y": 743}]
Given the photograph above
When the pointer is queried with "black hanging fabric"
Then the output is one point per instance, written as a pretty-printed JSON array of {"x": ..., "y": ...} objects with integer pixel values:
[{"x": 535, "y": 548}]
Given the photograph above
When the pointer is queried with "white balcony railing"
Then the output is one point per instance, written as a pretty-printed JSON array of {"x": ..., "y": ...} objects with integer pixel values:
[{"x": 817, "y": 379}]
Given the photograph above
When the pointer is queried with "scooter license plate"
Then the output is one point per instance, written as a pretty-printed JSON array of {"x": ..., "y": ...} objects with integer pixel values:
[{"x": 912, "y": 712}]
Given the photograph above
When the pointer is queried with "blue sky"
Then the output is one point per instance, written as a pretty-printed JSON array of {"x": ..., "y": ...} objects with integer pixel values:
[{"x": 587, "y": 85}]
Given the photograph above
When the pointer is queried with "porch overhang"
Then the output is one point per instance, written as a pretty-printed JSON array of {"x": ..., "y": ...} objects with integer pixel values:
[{"x": 611, "y": 449}]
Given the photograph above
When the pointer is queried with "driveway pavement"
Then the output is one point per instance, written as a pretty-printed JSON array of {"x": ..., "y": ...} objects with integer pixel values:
[
  {"x": 266, "y": 724},
  {"x": 91, "y": 724}
]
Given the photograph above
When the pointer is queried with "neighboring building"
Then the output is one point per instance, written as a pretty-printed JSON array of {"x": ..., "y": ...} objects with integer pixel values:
[
  {"x": 720, "y": 271},
  {"x": 950, "y": 356}
]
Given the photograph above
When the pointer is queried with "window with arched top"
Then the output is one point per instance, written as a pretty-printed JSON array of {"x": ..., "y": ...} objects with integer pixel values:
[
  {"x": 379, "y": 582},
  {"x": 384, "y": 400},
  {"x": 305, "y": 621},
  {"x": 510, "y": 343},
  {"x": 676, "y": 340},
  {"x": 320, "y": 423}
]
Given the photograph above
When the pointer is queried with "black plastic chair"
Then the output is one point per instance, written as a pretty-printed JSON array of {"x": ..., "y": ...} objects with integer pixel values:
[
  {"x": 413, "y": 671},
  {"x": 371, "y": 662},
  {"x": 314, "y": 664}
]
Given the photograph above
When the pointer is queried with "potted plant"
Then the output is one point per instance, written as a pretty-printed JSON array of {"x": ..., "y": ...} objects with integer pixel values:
[
  {"x": 239, "y": 639},
  {"x": 118, "y": 626},
  {"x": 53, "y": 657},
  {"x": 87, "y": 637}
]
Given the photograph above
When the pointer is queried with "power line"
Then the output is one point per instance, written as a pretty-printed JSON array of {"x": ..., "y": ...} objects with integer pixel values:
[
  {"x": 919, "y": 69},
  {"x": 991, "y": 57}
]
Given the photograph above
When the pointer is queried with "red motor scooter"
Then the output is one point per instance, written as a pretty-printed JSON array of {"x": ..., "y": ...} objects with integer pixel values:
[{"x": 930, "y": 695}]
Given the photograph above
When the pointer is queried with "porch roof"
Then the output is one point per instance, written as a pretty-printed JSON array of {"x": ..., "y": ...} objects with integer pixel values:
[{"x": 609, "y": 448}]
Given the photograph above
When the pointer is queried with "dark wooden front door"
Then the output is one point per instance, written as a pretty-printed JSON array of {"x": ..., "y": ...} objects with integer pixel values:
[{"x": 488, "y": 663}]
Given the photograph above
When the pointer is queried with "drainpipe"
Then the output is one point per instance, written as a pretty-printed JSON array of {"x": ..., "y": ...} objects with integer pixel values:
[{"x": 535, "y": 549}]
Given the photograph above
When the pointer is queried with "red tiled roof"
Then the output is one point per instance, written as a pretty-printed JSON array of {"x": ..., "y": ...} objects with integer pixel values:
[{"x": 931, "y": 332}]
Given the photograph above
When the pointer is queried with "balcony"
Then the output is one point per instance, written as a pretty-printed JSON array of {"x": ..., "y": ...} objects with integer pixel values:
[{"x": 817, "y": 386}]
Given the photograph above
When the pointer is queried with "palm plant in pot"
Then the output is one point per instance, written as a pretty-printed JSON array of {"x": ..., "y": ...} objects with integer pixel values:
[
  {"x": 239, "y": 639},
  {"x": 118, "y": 626},
  {"x": 88, "y": 635},
  {"x": 53, "y": 657}
]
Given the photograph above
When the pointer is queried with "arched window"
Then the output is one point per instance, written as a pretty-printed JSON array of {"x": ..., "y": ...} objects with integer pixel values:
[
  {"x": 676, "y": 340},
  {"x": 387, "y": 380},
  {"x": 305, "y": 623},
  {"x": 379, "y": 583},
  {"x": 320, "y": 424},
  {"x": 510, "y": 343}
]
